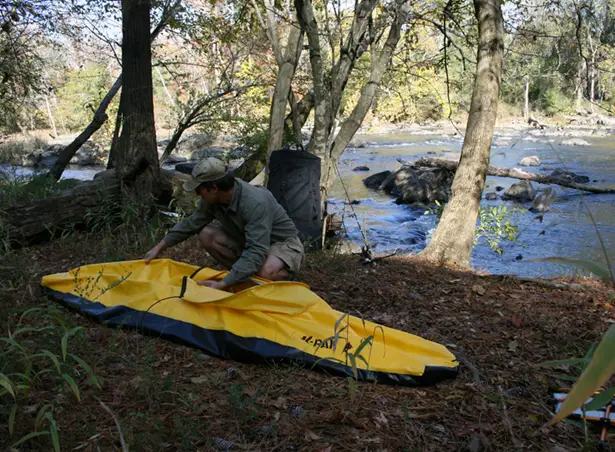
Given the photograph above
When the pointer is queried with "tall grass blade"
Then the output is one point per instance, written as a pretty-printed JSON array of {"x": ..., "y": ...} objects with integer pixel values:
[
  {"x": 7, "y": 384},
  {"x": 65, "y": 340},
  {"x": 73, "y": 385},
  {"x": 28, "y": 437},
  {"x": 53, "y": 429},
  {"x": 601, "y": 400},
  {"x": 12, "y": 415},
  {"x": 593, "y": 377},
  {"x": 93, "y": 378}
]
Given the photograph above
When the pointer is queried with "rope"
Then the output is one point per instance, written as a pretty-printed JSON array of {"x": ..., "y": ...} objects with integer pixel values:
[{"x": 366, "y": 250}]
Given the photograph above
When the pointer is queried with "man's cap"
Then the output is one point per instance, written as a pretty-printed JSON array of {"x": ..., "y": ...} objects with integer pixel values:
[{"x": 207, "y": 170}]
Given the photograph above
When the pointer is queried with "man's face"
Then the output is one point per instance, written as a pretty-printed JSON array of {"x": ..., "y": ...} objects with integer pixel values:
[{"x": 210, "y": 195}]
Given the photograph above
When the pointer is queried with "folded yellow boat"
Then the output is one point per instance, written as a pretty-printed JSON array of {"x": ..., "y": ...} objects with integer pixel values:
[{"x": 255, "y": 322}]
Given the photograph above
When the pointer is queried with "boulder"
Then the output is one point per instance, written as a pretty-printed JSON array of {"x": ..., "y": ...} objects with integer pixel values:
[
  {"x": 499, "y": 188},
  {"x": 575, "y": 142},
  {"x": 491, "y": 196},
  {"x": 420, "y": 185},
  {"x": 89, "y": 154},
  {"x": 530, "y": 161},
  {"x": 569, "y": 176},
  {"x": 361, "y": 168},
  {"x": 375, "y": 180},
  {"x": 193, "y": 143},
  {"x": 521, "y": 191}
]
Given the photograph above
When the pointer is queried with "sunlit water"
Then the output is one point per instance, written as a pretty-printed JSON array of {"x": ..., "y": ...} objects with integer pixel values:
[{"x": 566, "y": 230}]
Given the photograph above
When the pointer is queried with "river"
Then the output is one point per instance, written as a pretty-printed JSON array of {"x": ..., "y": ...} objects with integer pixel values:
[{"x": 566, "y": 230}]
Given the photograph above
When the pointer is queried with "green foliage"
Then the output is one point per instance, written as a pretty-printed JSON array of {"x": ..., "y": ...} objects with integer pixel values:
[
  {"x": 16, "y": 189},
  {"x": 351, "y": 355},
  {"x": 121, "y": 223},
  {"x": 80, "y": 94},
  {"x": 555, "y": 101},
  {"x": 34, "y": 358},
  {"x": 497, "y": 224},
  {"x": 244, "y": 403},
  {"x": 20, "y": 65}
]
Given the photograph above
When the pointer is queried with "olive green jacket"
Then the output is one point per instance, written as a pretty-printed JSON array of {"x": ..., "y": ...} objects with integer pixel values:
[{"x": 254, "y": 219}]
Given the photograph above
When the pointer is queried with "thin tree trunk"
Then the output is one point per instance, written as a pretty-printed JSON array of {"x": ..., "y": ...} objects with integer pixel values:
[
  {"x": 322, "y": 98},
  {"x": 100, "y": 115},
  {"x": 378, "y": 69},
  {"x": 514, "y": 173},
  {"x": 164, "y": 86},
  {"x": 579, "y": 86},
  {"x": 286, "y": 72},
  {"x": 300, "y": 112},
  {"x": 454, "y": 237},
  {"x": 136, "y": 156},
  {"x": 51, "y": 121},
  {"x": 526, "y": 108}
]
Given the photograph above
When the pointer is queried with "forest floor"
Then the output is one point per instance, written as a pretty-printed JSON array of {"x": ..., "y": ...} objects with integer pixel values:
[{"x": 163, "y": 396}]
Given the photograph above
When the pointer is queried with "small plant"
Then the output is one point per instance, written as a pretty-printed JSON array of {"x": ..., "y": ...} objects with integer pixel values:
[
  {"x": 39, "y": 356},
  {"x": 352, "y": 355},
  {"x": 244, "y": 403},
  {"x": 496, "y": 225}
]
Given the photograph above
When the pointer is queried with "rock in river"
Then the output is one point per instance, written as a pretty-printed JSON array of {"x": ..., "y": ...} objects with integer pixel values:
[
  {"x": 532, "y": 160},
  {"x": 521, "y": 191}
]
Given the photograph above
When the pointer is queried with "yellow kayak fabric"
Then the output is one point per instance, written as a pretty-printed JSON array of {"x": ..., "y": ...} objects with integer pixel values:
[{"x": 254, "y": 322}]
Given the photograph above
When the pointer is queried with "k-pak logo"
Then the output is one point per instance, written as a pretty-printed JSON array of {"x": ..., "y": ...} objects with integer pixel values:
[{"x": 318, "y": 343}]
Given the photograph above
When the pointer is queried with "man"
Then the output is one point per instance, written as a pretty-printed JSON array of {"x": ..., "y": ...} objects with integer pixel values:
[{"x": 255, "y": 236}]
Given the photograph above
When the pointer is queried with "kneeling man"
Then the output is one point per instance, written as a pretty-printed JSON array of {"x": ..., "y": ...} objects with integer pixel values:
[{"x": 255, "y": 236}]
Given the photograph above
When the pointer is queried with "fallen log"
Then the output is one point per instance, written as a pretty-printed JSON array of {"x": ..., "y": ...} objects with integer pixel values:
[
  {"x": 514, "y": 173},
  {"x": 41, "y": 220}
]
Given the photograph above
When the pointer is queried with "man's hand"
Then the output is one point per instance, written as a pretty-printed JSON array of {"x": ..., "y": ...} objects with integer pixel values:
[
  {"x": 154, "y": 252},
  {"x": 219, "y": 285}
]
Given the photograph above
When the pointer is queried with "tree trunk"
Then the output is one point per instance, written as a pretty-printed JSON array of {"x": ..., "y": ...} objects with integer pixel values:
[
  {"x": 300, "y": 111},
  {"x": 454, "y": 237},
  {"x": 579, "y": 86},
  {"x": 514, "y": 173},
  {"x": 100, "y": 115},
  {"x": 378, "y": 69},
  {"x": 164, "y": 86},
  {"x": 526, "y": 108},
  {"x": 136, "y": 155},
  {"x": 322, "y": 99},
  {"x": 51, "y": 121},
  {"x": 286, "y": 72}
]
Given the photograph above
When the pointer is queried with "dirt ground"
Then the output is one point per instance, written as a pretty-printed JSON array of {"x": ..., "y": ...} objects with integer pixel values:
[{"x": 162, "y": 396}]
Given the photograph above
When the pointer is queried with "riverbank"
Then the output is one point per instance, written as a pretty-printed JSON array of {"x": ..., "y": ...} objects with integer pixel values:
[
  {"x": 38, "y": 149},
  {"x": 163, "y": 396}
]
